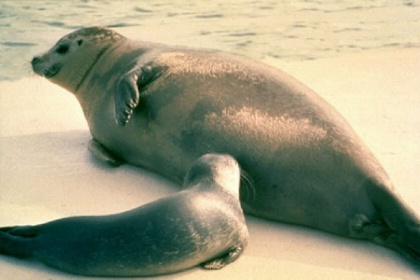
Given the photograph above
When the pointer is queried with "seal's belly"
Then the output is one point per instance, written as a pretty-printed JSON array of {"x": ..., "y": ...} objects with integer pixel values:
[{"x": 296, "y": 169}]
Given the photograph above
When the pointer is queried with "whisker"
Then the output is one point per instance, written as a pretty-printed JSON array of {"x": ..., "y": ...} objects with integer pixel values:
[{"x": 248, "y": 184}]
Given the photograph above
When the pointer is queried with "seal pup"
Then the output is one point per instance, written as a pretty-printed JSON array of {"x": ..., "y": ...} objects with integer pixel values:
[
  {"x": 203, "y": 224},
  {"x": 161, "y": 108}
]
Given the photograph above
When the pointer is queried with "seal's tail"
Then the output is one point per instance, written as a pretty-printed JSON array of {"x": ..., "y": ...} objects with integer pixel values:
[
  {"x": 401, "y": 227},
  {"x": 15, "y": 241}
]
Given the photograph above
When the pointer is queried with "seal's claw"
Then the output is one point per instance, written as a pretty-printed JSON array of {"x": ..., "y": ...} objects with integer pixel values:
[{"x": 127, "y": 98}]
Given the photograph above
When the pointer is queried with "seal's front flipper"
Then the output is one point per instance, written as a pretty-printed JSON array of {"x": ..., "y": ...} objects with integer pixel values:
[
  {"x": 14, "y": 241},
  {"x": 127, "y": 98},
  {"x": 219, "y": 262},
  {"x": 127, "y": 95},
  {"x": 102, "y": 154}
]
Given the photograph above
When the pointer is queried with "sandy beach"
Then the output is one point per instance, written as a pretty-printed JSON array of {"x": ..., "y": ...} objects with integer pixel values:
[{"x": 47, "y": 173}]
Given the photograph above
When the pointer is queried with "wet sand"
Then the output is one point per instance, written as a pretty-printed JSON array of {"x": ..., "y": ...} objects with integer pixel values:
[{"x": 47, "y": 173}]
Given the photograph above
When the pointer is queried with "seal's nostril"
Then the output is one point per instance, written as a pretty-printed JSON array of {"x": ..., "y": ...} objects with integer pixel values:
[{"x": 35, "y": 60}]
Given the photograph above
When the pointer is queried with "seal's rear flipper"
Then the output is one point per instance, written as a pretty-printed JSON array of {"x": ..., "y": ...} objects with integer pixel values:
[
  {"x": 219, "y": 262},
  {"x": 394, "y": 241},
  {"x": 14, "y": 241},
  {"x": 402, "y": 231}
]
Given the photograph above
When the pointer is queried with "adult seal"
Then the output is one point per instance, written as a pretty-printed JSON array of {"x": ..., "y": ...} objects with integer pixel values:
[
  {"x": 162, "y": 108},
  {"x": 203, "y": 224}
]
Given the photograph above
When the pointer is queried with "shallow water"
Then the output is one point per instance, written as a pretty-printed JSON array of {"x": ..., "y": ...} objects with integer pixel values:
[{"x": 264, "y": 30}]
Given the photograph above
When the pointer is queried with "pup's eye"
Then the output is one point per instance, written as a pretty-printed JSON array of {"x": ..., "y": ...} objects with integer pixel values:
[
  {"x": 63, "y": 49},
  {"x": 80, "y": 42}
]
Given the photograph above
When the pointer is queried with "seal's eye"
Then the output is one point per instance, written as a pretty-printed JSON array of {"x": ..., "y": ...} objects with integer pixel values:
[
  {"x": 63, "y": 49},
  {"x": 79, "y": 42}
]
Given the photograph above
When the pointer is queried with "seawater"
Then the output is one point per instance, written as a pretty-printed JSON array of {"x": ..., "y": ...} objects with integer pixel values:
[{"x": 263, "y": 30}]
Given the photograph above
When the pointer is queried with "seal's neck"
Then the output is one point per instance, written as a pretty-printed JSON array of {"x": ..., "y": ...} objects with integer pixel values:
[
  {"x": 84, "y": 74},
  {"x": 75, "y": 72}
]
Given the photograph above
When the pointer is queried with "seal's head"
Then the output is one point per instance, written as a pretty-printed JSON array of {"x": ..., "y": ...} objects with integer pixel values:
[
  {"x": 69, "y": 61},
  {"x": 215, "y": 170}
]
